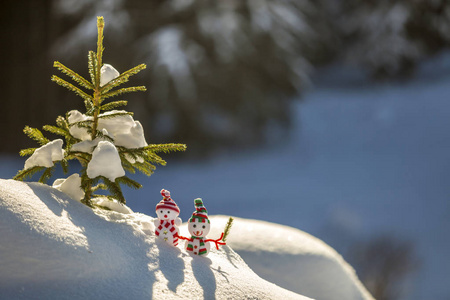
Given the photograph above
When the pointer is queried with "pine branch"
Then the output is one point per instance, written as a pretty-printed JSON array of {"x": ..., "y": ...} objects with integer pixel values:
[
  {"x": 126, "y": 164},
  {"x": 65, "y": 165},
  {"x": 227, "y": 229},
  {"x": 166, "y": 148},
  {"x": 100, "y": 134},
  {"x": 71, "y": 87},
  {"x": 129, "y": 182},
  {"x": 118, "y": 114},
  {"x": 113, "y": 105},
  {"x": 123, "y": 91},
  {"x": 46, "y": 175},
  {"x": 27, "y": 173},
  {"x": 92, "y": 62},
  {"x": 56, "y": 130},
  {"x": 74, "y": 75},
  {"x": 84, "y": 124},
  {"x": 27, "y": 152},
  {"x": 100, "y": 186},
  {"x": 122, "y": 78},
  {"x": 36, "y": 135},
  {"x": 100, "y": 48},
  {"x": 145, "y": 167},
  {"x": 114, "y": 189},
  {"x": 154, "y": 158},
  {"x": 62, "y": 122}
]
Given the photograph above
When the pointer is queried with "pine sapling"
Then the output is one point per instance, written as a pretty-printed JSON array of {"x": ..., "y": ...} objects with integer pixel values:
[
  {"x": 226, "y": 231},
  {"x": 105, "y": 141}
]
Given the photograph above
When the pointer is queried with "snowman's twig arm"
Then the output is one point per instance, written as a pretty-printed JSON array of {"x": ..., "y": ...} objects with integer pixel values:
[
  {"x": 217, "y": 241},
  {"x": 182, "y": 237}
]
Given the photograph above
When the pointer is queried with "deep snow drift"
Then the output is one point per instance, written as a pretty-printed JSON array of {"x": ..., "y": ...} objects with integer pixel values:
[
  {"x": 291, "y": 259},
  {"x": 54, "y": 247}
]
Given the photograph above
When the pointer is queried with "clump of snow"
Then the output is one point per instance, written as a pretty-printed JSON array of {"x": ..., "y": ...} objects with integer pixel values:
[
  {"x": 113, "y": 205},
  {"x": 292, "y": 259},
  {"x": 56, "y": 248},
  {"x": 70, "y": 186},
  {"x": 107, "y": 73},
  {"x": 105, "y": 162},
  {"x": 77, "y": 131},
  {"x": 46, "y": 155},
  {"x": 125, "y": 131},
  {"x": 87, "y": 146}
]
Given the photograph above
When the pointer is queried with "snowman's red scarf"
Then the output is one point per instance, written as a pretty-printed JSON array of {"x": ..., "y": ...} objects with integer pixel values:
[
  {"x": 202, "y": 242},
  {"x": 170, "y": 225}
]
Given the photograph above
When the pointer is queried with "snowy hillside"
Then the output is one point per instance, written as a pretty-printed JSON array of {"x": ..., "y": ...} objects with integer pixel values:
[
  {"x": 54, "y": 247},
  {"x": 292, "y": 259}
]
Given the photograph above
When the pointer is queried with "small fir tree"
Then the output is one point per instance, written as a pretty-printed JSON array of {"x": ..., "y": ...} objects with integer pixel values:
[{"x": 104, "y": 140}]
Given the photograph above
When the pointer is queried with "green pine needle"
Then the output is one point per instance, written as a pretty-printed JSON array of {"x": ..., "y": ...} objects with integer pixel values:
[
  {"x": 46, "y": 175},
  {"x": 122, "y": 78},
  {"x": 166, "y": 148},
  {"x": 129, "y": 182},
  {"x": 92, "y": 62},
  {"x": 123, "y": 91},
  {"x": 27, "y": 152},
  {"x": 117, "y": 114},
  {"x": 227, "y": 229},
  {"x": 56, "y": 130},
  {"x": 113, "y": 105},
  {"x": 75, "y": 76},
  {"x": 36, "y": 135},
  {"x": 71, "y": 87},
  {"x": 27, "y": 173}
]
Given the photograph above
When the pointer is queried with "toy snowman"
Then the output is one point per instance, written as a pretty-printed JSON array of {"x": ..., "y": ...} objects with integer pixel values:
[
  {"x": 199, "y": 226},
  {"x": 166, "y": 225}
]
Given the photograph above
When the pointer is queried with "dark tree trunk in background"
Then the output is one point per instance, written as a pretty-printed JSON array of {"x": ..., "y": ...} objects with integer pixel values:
[{"x": 26, "y": 33}]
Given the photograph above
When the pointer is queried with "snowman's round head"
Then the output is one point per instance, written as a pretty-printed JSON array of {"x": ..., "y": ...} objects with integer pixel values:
[
  {"x": 198, "y": 224},
  {"x": 198, "y": 228},
  {"x": 167, "y": 209}
]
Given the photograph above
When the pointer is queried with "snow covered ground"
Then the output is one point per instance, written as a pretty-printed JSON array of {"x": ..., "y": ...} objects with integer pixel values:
[
  {"x": 54, "y": 247},
  {"x": 360, "y": 162}
]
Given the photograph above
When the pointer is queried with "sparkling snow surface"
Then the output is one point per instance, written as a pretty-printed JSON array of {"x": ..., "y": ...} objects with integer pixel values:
[
  {"x": 57, "y": 248},
  {"x": 291, "y": 259}
]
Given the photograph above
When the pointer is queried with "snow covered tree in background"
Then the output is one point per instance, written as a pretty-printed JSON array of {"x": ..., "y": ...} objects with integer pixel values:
[
  {"x": 104, "y": 140},
  {"x": 221, "y": 73},
  {"x": 388, "y": 38}
]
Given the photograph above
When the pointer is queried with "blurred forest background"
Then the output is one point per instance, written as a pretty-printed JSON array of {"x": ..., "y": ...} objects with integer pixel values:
[{"x": 220, "y": 73}]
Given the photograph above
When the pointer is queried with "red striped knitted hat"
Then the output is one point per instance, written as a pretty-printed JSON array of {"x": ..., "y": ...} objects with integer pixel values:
[
  {"x": 167, "y": 202},
  {"x": 200, "y": 213}
]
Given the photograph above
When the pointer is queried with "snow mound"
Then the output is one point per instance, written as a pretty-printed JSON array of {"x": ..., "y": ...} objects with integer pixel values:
[
  {"x": 291, "y": 259},
  {"x": 54, "y": 247},
  {"x": 71, "y": 186}
]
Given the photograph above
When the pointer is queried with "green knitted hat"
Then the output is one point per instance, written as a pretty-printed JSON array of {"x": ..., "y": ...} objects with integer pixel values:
[{"x": 200, "y": 213}]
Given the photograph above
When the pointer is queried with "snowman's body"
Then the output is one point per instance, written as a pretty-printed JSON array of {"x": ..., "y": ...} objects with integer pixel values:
[
  {"x": 168, "y": 230},
  {"x": 166, "y": 225},
  {"x": 198, "y": 230},
  {"x": 197, "y": 246}
]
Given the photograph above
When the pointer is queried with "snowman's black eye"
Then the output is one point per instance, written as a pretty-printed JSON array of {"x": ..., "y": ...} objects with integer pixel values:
[
  {"x": 194, "y": 226},
  {"x": 168, "y": 211},
  {"x": 203, "y": 226},
  {"x": 161, "y": 211}
]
